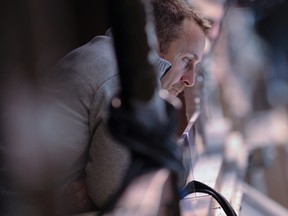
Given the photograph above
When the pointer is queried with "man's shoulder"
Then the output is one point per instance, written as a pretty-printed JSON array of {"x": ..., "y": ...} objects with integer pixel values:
[
  {"x": 89, "y": 59},
  {"x": 100, "y": 45},
  {"x": 85, "y": 68},
  {"x": 100, "y": 40}
]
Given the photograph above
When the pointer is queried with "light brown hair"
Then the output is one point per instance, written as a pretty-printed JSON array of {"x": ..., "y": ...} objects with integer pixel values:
[{"x": 169, "y": 16}]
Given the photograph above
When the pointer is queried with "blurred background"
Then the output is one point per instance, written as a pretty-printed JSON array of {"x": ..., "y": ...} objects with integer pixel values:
[{"x": 243, "y": 97}]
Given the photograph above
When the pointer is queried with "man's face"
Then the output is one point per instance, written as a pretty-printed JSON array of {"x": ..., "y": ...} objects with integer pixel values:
[
  {"x": 184, "y": 54},
  {"x": 212, "y": 11}
]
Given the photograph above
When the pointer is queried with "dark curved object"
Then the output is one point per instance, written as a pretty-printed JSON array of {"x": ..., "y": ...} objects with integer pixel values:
[
  {"x": 137, "y": 75},
  {"x": 196, "y": 186}
]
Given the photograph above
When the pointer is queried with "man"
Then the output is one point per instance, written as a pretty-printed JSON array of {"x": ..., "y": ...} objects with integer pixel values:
[
  {"x": 85, "y": 81},
  {"x": 180, "y": 43}
]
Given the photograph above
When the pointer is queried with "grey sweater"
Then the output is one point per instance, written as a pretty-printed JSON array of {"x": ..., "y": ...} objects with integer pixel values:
[{"x": 82, "y": 85}]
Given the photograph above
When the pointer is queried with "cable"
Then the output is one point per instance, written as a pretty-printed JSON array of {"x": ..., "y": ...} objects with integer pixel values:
[{"x": 196, "y": 186}]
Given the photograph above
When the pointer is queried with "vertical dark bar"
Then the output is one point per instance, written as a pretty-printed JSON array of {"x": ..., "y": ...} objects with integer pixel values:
[
  {"x": 15, "y": 62},
  {"x": 128, "y": 21}
]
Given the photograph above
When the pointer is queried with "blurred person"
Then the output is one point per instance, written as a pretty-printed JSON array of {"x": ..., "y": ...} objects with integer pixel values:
[
  {"x": 193, "y": 98},
  {"x": 80, "y": 87},
  {"x": 216, "y": 67},
  {"x": 212, "y": 10},
  {"x": 232, "y": 69}
]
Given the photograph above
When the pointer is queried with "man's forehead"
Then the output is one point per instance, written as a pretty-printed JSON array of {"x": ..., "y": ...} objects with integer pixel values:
[{"x": 191, "y": 42}]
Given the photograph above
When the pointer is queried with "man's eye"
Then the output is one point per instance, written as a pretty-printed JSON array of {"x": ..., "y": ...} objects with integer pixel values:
[{"x": 212, "y": 22}]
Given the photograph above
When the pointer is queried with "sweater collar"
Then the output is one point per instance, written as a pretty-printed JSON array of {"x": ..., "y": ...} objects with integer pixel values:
[{"x": 163, "y": 66}]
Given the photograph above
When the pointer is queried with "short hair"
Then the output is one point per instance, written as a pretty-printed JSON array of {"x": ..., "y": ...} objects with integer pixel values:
[{"x": 169, "y": 16}]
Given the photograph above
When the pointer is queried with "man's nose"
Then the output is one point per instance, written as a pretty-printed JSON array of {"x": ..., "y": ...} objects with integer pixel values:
[{"x": 188, "y": 79}]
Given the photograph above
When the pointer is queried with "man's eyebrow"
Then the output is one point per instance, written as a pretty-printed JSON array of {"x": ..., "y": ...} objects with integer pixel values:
[
  {"x": 193, "y": 56},
  {"x": 211, "y": 20}
]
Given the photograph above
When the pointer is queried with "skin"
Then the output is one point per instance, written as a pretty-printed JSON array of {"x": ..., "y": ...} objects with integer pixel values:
[
  {"x": 184, "y": 54},
  {"x": 214, "y": 12}
]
